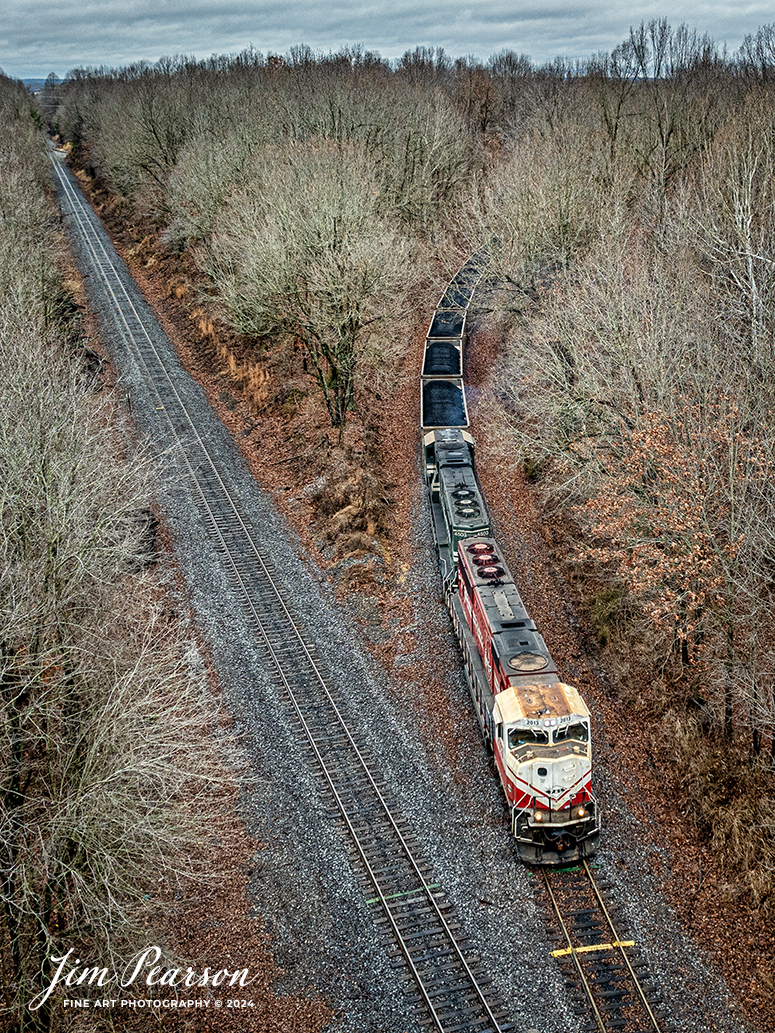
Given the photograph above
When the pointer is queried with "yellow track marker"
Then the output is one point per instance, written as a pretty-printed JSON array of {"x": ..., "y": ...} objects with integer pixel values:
[{"x": 592, "y": 947}]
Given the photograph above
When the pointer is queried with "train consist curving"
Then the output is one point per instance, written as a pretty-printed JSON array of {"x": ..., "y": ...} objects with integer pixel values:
[{"x": 537, "y": 727}]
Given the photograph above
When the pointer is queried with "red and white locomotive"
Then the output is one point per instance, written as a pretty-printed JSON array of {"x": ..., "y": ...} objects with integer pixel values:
[{"x": 537, "y": 726}]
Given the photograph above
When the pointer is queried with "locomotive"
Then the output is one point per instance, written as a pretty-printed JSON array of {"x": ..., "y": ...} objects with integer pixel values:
[
  {"x": 457, "y": 505},
  {"x": 537, "y": 727}
]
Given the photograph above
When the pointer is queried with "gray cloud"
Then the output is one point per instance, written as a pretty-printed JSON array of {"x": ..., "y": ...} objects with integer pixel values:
[{"x": 43, "y": 36}]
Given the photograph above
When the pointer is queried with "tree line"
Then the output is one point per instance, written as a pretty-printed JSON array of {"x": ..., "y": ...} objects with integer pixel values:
[
  {"x": 421, "y": 139},
  {"x": 105, "y": 778},
  {"x": 637, "y": 232}
]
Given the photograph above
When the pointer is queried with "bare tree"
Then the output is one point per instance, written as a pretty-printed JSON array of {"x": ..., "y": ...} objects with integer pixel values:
[
  {"x": 678, "y": 71},
  {"x": 613, "y": 78},
  {"x": 757, "y": 55},
  {"x": 305, "y": 253},
  {"x": 736, "y": 231}
]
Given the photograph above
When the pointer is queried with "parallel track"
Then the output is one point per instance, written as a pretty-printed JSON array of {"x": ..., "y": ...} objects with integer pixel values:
[
  {"x": 449, "y": 993},
  {"x": 608, "y": 981}
]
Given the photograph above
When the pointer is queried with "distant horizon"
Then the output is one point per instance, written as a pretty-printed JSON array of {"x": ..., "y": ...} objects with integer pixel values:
[
  {"x": 33, "y": 77},
  {"x": 47, "y": 36}
]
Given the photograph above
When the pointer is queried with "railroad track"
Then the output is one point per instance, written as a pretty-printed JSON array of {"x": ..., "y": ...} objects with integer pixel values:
[
  {"x": 608, "y": 980},
  {"x": 446, "y": 988}
]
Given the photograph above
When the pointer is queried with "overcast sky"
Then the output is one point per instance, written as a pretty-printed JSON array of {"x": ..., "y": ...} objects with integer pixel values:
[{"x": 42, "y": 36}]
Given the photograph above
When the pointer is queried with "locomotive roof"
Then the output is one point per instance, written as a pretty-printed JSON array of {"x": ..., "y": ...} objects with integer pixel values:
[
  {"x": 539, "y": 702},
  {"x": 458, "y": 477},
  {"x": 461, "y": 496},
  {"x": 517, "y": 644},
  {"x": 454, "y": 448},
  {"x": 523, "y": 654}
]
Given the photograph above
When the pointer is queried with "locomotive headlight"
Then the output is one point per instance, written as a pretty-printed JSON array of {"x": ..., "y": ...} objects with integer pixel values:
[
  {"x": 580, "y": 812},
  {"x": 537, "y": 816}
]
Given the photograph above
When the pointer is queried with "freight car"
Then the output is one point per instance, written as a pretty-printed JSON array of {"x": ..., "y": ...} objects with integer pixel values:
[{"x": 537, "y": 727}]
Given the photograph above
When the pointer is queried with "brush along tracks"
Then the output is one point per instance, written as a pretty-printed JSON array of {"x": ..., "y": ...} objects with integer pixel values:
[
  {"x": 445, "y": 984},
  {"x": 608, "y": 981}
]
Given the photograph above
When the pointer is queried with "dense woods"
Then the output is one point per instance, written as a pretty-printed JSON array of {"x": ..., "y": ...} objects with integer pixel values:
[
  {"x": 637, "y": 386},
  {"x": 302, "y": 185},
  {"x": 629, "y": 201},
  {"x": 105, "y": 777}
]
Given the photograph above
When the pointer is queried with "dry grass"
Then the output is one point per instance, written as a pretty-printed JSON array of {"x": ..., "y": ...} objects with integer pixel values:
[{"x": 731, "y": 803}]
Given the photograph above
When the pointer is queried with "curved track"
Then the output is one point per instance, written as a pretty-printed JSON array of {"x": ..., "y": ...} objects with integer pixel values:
[{"x": 449, "y": 989}]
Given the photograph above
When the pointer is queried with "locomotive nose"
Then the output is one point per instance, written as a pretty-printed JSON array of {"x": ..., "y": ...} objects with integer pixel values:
[{"x": 557, "y": 778}]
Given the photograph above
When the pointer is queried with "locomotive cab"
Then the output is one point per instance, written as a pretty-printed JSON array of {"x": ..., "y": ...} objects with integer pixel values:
[{"x": 546, "y": 760}]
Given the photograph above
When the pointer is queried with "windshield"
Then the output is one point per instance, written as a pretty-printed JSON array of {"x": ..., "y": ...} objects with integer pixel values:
[
  {"x": 578, "y": 731},
  {"x": 520, "y": 736}
]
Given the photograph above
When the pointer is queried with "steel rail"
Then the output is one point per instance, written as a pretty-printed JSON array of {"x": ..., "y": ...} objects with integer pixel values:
[
  {"x": 616, "y": 941},
  {"x": 90, "y": 237},
  {"x": 579, "y": 969},
  {"x": 613, "y": 950}
]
